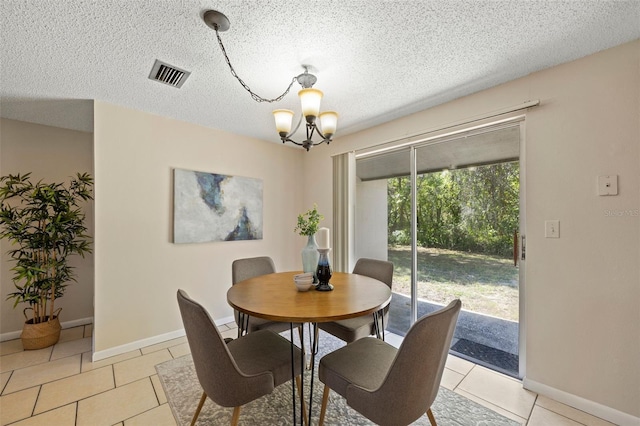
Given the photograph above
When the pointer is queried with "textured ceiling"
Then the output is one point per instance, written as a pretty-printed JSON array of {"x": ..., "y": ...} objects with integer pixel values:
[{"x": 375, "y": 60}]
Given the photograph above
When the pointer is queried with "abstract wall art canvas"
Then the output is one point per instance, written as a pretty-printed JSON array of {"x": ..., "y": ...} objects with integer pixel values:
[{"x": 212, "y": 207}]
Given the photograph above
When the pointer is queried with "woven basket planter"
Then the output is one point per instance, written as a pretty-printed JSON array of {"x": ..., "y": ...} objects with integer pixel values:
[{"x": 40, "y": 335}]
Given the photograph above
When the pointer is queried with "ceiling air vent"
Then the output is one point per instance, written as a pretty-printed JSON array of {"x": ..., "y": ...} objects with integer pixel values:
[{"x": 168, "y": 74}]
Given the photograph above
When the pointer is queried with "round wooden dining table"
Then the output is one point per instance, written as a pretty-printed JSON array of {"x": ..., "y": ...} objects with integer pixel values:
[{"x": 274, "y": 297}]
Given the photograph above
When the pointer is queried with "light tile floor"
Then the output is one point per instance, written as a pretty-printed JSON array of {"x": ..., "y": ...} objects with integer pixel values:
[{"x": 60, "y": 386}]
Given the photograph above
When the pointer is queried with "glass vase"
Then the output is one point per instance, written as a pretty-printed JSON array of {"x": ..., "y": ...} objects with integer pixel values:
[{"x": 310, "y": 257}]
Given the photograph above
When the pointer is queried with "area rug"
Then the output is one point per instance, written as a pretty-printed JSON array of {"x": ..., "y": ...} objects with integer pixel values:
[{"x": 183, "y": 391}]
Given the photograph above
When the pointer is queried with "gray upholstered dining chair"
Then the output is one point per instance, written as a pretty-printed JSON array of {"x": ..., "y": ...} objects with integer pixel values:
[
  {"x": 392, "y": 386},
  {"x": 240, "y": 371},
  {"x": 243, "y": 269},
  {"x": 353, "y": 329}
]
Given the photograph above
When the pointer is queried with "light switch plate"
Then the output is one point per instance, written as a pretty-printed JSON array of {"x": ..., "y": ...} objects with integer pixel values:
[
  {"x": 552, "y": 229},
  {"x": 608, "y": 185}
]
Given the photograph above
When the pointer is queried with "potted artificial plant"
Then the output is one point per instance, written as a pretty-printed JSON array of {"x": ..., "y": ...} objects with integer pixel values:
[
  {"x": 308, "y": 226},
  {"x": 45, "y": 226}
]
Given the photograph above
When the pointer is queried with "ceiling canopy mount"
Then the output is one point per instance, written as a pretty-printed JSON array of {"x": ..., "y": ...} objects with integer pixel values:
[{"x": 216, "y": 20}]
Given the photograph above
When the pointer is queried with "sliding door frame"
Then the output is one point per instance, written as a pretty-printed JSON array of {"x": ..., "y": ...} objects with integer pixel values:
[
  {"x": 515, "y": 118},
  {"x": 414, "y": 236},
  {"x": 522, "y": 329}
]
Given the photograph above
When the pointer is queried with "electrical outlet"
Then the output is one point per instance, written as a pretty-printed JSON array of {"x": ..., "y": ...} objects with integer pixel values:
[{"x": 552, "y": 229}]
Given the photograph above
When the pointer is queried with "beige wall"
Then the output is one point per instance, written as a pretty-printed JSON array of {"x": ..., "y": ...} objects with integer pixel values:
[
  {"x": 52, "y": 154},
  {"x": 138, "y": 268},
  {"x": 582, "y": 295}
]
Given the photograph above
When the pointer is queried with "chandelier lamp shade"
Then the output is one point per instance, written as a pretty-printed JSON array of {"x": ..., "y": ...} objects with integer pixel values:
[{"x": 324, "y": 124}]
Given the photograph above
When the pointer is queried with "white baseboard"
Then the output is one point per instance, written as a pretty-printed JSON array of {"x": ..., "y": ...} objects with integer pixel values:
[
  {"x": 602, "y": 411},
  {"x": 11, "y": 335},
  {"x": 225, "y": 320},
  {"x": 67, "y": 324},
  {"x": 77, "y": 323},
  {"x": 118, "y": 350}
]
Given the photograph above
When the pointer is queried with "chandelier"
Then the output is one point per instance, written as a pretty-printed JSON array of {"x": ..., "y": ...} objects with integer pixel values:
[{"x": 309, "y": 97}]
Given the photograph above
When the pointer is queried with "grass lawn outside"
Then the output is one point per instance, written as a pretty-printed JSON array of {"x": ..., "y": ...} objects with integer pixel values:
[{"x": 485, "y": 284}]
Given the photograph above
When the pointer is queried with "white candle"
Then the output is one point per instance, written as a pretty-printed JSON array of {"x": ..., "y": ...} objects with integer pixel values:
[{"x": 323, "y": 238}]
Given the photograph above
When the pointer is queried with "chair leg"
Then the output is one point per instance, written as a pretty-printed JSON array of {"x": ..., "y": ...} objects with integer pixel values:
[
  {"x": 203, "y": 398},
  {"x": 431, "y": 418},
  {"x": 304, "y": 404},
  {"x": 235, "y": 416},
  {"x": 323, "y": 409},
  {"x": 313, "y": 353}
]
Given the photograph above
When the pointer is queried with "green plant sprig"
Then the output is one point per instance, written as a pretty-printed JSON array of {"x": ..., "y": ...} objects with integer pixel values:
[{"x": 308, "y": 222}]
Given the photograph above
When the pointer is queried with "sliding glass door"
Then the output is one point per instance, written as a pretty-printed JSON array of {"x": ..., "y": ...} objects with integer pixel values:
[{"x": 446, "y": 213}]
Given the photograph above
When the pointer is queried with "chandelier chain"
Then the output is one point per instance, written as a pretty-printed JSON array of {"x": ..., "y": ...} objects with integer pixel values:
[{"x": 254, "y": 96}]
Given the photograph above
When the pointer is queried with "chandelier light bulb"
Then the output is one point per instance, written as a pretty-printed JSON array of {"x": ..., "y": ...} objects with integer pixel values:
[
  {"x": 328, "y": 123},
  {"x": 283, "y": 119},
  {"x": 310, "y": 101}
]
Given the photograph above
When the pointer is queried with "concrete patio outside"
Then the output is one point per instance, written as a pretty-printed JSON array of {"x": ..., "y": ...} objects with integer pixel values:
[{"x": 482, "y": 339}]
